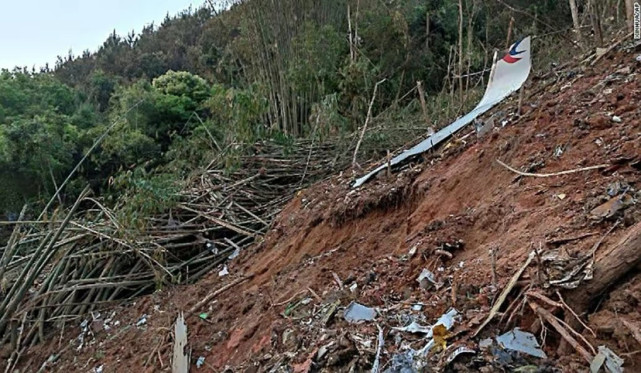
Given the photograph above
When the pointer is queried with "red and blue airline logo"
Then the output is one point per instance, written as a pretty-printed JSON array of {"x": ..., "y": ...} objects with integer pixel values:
[{"x": 511, "y": 56}]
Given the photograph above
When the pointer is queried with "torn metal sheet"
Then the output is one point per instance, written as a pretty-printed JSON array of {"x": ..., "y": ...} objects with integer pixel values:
[
  {"x": 426, "y": 277},
  {"x": 613, "y": 363},
  {"x": 402, "y": 363},
  {"x": 180, "y": 363},
  {"x": 507, "y": 76},
  {"x": 520, "y": 341},
  {"x": 356, "y": 312},
  {"x": 223, "y": 272},
  {"x": 200, "y": 362},
  {"x": 379, "y": 348},
  {"x": 447, "y": 320},
  {"x": 415, "y": 327},
  {"x": 456, "y": 353}
]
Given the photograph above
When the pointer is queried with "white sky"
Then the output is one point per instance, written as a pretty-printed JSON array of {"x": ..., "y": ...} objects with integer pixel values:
[{"x": 36, "y": 32}]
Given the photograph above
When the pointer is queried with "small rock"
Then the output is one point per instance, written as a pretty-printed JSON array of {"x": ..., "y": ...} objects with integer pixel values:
[{"x": 616, "y": 119}]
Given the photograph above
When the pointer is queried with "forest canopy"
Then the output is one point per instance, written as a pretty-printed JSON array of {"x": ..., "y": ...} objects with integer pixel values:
[{"x": 173, "y": 96}]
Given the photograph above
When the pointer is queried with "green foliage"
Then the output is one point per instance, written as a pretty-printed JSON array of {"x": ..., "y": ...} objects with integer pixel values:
[
  {"x": 182, "y": 84},
  {"x": 202, "y": 85},
  {"x": 238, "y": 112},
  {"x": 142, "y": 194}
]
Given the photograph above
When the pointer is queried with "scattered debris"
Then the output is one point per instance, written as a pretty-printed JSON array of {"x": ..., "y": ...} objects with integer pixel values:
[
  {"x": 412, "y": 251},
  {"x": 485, "y": 343},
  {"x": 415, "y": 327},
  {"x": 142, "y": 320},
  {"x": 223, "y": 272},
  {"x": 613, "y": 363},
  {"x": 612, "y": 207},
  {"x": 338, "y": 280},
  {"x": 520, "y": 341},
  {"x": 505, "y": 292},
  {"x": 235, "y": 254},
  {"x": 200, "y": 362},
  {"x": 402, "y": 363},
  {"x": 379, "y": 348},
  {"x": 445, "y": 322},
  {"x": 427, "y": 277},
  {"x": 456, "y": 353},
  {"x": 356, "y": 312}
]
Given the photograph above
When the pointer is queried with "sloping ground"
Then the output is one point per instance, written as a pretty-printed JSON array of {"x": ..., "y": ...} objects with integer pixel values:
[{"x": 281, "y": 307}]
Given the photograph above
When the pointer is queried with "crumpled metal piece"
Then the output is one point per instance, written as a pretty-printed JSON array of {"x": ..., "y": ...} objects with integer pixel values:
[
  {"x": 520, "y": 341},
  {"x": 415, "y": 327},
  {"x": 613, "y": 363},
  {"x": 356, "y": 312}
]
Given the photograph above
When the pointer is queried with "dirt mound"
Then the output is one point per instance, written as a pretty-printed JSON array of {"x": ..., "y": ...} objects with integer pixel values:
[{"x": 333, "y": 245}]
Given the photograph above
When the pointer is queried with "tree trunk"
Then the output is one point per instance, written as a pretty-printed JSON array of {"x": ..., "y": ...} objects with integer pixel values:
[
  {"x": 629, "y": 14},
  {"x": 470, "y": 31},
  {"x": 509, "y": 33},
  {"x": 421, "y": 95},
  {"x": 427, "y": 32},
  {"x": 352, "y": 54},
  {"x": 460, "y": 49},
  {"x": 612, "y": 265},
  {"x": 575, "y": 20},
  {"x": 593, "y": 8}
]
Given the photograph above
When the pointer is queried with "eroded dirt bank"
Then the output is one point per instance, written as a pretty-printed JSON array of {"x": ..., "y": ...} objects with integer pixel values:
[{"x": 332, "y": 245}]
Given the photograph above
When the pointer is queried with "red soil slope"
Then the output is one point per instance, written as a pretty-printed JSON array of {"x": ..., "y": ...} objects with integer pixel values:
[{"x": 459, "y": 200}]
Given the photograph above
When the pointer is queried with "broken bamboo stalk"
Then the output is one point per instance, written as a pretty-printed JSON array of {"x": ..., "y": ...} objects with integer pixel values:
[
  {"x": 216, "y": 293},
  {"x": 504, "y": 293},
  {"x": 545, "y": 314},
  {"x": 567, "y": 172}
]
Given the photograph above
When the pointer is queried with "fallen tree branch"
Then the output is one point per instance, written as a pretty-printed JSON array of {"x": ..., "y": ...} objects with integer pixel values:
[
  {"x": 216, "y": 293},
  {"x": 545, "y": 314},
  {"x": 367, "y": 119},
  {"x": 560, "y": 241},
  {"x": 613, "y": 264},
  {"x": 555, "y": 173},
  {"x": 504, "y": 293},
  {"x": 610, "y": 48}
]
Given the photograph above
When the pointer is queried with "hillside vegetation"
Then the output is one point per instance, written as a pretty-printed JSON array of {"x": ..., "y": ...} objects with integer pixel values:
[{"x": 175, "y": 95}]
